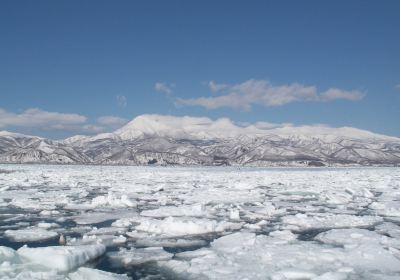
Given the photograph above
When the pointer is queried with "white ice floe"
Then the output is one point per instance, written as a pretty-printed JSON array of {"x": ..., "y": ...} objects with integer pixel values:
[
  {"x": 30, "y": 234},
  {"x": 104, "y": 239},
  {"x": 29, "y": 203},
  {"x": 51, "y": 263},
  {"x": 139, "y": 256},
  {"x": 180, "y": 226},
  {"x": 350, "y": 238},
  {"x": 106, "y": 230},
  {"x": 302, "y": 222},
  {"x": 111, "y": 200},
  {"x": 7, "y": 254},
  {"x": 85, "y": 273},
  {"x": 46, "y": 225},
  {"x": 196, "y": 210},
  {"x": 386, "y": 208},
  {"x": 49, "y": 212},
  {"x": 324, "y": 223},
  {"x": 234, "y": 214},
  {"x": 120, "y": 240},
  {"x": 88, "y": 218},
  {"x": 247, "y": 256},
  {"x": 128, "y": 221},
  {"x": 62, "y": 258}
]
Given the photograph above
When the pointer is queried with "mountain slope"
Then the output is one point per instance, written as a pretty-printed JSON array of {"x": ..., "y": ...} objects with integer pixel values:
[
  {"x": 167, "y": 140},
  {"x": 20, "y": 148}
]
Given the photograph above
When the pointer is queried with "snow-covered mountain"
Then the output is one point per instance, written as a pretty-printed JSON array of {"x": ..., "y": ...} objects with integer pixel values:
[
  {"x": 19, "y": 148},
  {"x": 168, "y": 140}
]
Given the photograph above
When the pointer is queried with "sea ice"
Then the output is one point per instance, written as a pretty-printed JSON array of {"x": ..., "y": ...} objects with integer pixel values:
[
  {"x": 170, "y": 242},
  {"x": 30, "y": 234},
  {"x": 248, "y": 223},
  {"x": 180, "y": 226},
  {"x": 139, "y": 256},
  {"x": 88, "y": 218},
  {"x": 386, "y": 208},
  {"x": 390, "y": 229},
  {"x": 51, "y": 263},
  {"x": 352, "y": 237},
  {"x": 112, "y": 200},
  {"x": 302, "y": 222},
  {"x": 248, "y": 256},
  {"x": 62, "y": 258},
  {"x": 85, "y": 273},
  {"x": 196, "y": 210}
]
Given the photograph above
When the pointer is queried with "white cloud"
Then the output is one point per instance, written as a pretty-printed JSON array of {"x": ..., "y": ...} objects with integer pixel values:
[
  {"x": 335, "y": 93},
  {"x": 214, "y": 87},
  {"x": 122, "y": 101},
  {"x": 42, "y": 120},
  {"x": 164, "y": 88},
  {"x": 37, "y": 118},
  {"x": 252, "y": 92},
  {"x": 111, "y": 121},
  {"x": 89, "y": 128},
  {"x": 268, "y": 125},
  {"x": 232, "y": 100}
]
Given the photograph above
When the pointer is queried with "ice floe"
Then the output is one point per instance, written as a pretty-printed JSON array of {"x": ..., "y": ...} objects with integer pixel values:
[
  {"x": 112, "y": 200},
  {"x": 85, "y": 273},
  {"x": 248, "y": 256},
  {"x": 323, "y": 221},
  {"x": 30, "y": 234},
  {"x": 62, "y": 258},
  {"x": 199, "y": 223},
  {"x": 180, "y": 227},
  {"x": 139, "y": 256},
  {"x": 196, "y": 210},
  {"x": 55, "y": 262}
]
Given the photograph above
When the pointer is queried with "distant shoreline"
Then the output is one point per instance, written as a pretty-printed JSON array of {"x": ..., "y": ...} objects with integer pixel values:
[{"x": 205, "y": 166}]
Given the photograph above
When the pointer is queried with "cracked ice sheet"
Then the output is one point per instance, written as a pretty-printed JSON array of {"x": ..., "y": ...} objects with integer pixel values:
[
  {"x": 139, "y": 202},
  {"x": 248, "y": 256}
]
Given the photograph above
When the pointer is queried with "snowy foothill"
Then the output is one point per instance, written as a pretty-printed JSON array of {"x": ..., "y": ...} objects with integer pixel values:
[{"x": 121, "y": 222}]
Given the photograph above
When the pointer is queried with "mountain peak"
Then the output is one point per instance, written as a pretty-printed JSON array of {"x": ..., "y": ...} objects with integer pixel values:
[
  {"x": 187, "y": 127},
  {"x": 179, "y": 127}
]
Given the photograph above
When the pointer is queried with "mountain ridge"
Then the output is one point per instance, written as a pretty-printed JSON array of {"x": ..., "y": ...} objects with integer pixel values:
[{"x": 170, "y": 140}]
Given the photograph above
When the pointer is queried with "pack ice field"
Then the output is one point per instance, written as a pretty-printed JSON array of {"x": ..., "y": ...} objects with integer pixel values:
[{"x": 120, "y": 222}]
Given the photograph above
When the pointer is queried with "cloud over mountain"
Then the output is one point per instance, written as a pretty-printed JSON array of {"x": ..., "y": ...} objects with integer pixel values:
[{"x": 263, "y": 92}]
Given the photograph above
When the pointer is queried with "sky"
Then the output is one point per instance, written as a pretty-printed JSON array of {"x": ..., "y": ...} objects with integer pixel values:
[{"x": 85, "y": 67}]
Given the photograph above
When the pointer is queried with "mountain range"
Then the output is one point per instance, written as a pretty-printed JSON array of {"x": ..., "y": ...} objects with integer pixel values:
[{"x": 169, "y": 140}]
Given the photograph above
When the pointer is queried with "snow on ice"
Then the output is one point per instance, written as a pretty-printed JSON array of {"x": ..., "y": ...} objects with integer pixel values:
[
  {"x": 30, "y": 234},
  {"x": 124, "y": 222}
]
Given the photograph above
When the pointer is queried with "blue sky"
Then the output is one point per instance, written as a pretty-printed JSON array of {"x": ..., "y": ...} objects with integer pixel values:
[{"x": 69, "y": 67}]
